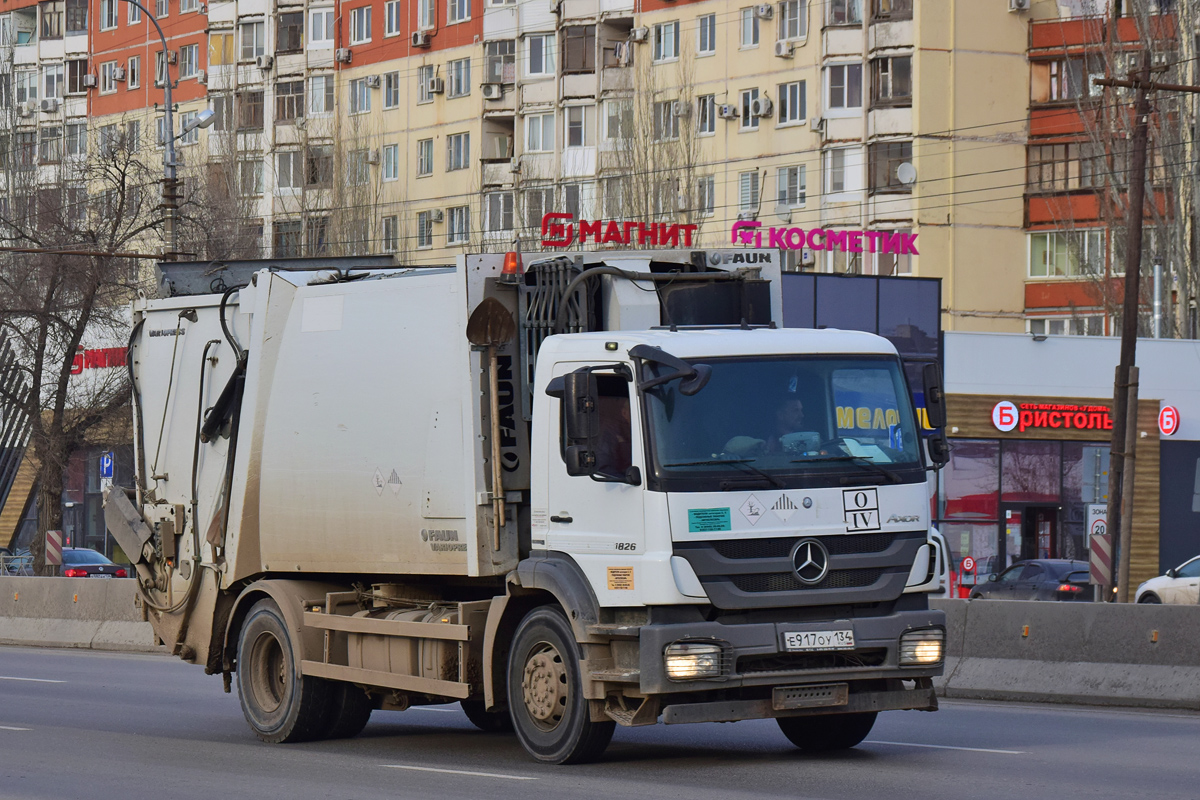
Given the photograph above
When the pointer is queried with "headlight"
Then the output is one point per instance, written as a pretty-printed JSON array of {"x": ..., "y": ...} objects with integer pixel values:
[
  {"x": 922, "y": 647},
  {"x": 688, "y": 661}
]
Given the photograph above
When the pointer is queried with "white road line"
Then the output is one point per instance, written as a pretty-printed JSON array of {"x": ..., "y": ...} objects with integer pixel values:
[
  {"x": 439, "y": 710},
  {"x": 30, "y": 680},
  {"x": 462, "y": 772},
  {"x": 948, "y": 747},
  {"x": 8, "y": 728}
]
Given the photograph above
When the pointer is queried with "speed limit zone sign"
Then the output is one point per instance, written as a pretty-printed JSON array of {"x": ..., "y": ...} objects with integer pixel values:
[{"x": 968, "y": 564}]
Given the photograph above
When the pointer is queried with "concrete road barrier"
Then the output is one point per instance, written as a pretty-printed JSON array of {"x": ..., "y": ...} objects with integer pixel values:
[
  {"x": 90, "y": 613},
  {"x": 1094, "y": 653}
]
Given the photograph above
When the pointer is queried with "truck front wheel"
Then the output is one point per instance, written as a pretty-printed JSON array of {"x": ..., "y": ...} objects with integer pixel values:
[
  {"x": 827, "y": 732},
  {"x": 280, "y": 704},
  {"x": 545, "y": 691}
]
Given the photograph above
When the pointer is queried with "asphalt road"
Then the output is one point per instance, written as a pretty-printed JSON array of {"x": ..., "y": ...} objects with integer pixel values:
[{"x": 76, "y": 724}]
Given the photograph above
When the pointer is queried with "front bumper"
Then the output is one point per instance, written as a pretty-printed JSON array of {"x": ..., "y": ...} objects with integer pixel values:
[
  {"x": 919, "y": 699},
  {"x": 754, "y": 654}
]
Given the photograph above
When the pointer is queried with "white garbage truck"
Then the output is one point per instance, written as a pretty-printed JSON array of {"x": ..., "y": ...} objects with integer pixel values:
[{"x": 593, "y": 489}]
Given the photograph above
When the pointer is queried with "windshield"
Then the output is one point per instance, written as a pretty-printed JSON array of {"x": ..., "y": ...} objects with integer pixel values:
[{"x": 789, "y": 421}]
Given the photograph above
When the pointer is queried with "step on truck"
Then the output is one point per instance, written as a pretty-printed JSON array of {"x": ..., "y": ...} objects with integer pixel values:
[{"x": 592, "y": 490}]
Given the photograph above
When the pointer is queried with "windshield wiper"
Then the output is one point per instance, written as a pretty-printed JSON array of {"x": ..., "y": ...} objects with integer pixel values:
[
  {"x": 741, "y": 462},
  {"x": 858, "y": 460}
]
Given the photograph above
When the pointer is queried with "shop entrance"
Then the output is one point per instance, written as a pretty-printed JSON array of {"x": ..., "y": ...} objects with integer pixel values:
[{"x": 1028, "y": 531}]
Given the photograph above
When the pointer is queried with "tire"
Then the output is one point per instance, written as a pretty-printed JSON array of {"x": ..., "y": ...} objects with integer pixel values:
[
  {"x": 829, "y": 732},
  {"x": 280, "y": 704},
  {"x": 1149, "y": 598},
  {"x": 489, "y": 721},
  {"x": 349, "y": 709},
  {"x": 545, "y": 691}
]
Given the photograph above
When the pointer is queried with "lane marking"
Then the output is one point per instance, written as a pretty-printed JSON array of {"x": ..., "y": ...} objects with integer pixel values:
[
  {"x": 949, "y": 747},
  {"x": 431, "y": 708},
  {"x": 10, "y": 728},
  {"x": 461, "y": 772},
  {"x": 30, "y": 680}
]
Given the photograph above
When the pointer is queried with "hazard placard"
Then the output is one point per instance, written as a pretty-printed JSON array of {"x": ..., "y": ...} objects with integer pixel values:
[{"x": 54, "y": 548}]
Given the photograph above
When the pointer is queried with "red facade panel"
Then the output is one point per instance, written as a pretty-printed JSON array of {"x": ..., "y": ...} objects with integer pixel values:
[{"x": 1064, "y": 294}]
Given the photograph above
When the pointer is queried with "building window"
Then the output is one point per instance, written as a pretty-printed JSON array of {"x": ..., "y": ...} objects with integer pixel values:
[
  {"x": 1089, "y": 325},
  {"x": 316, "y": 236},
  {"x": 360, "y": 96},
  {"x": 1066, "y": 254},
  {"x": 748, "y": 192},
  {"x": 1065, "y": 167},
  {"x": 459, "y": 72},
  {"x": 77, "y": 139},
  {"x": 133, "y": 135},
  {"x": 189, "y": 5},
  {"x": 289, "y": 170},
  {"x": 843, "y": 170},
  {"x": 52, "y": 80},
  {"x": 290, "y": 32},
  {"x": 618, "y": 120},
  {"x": 192, "y": 136},
  {"x": 707, "y": 42},
  {"x": 133, "y": 72},
  {"x": 579, "y": 48},
  {"x": 160, "y": 68},
  {"x": 391, "y": 90},
  {"x": 1064, "y": 79},
  {"x": 250, "y": 177},
  {"x": 891, "y": 81},
  {"x": 320, "y": 28},
  {"x": 845, "y": 12},
  {"x": 50, "y": 145},
  {"x": 425, "y": 14},
  {"x": 892, "y": 10},
  {"x": 790, "y": 187},
  {"x": 253, "y": 40},
  {"x": 666, "y": 41},
  {"x": 250, "y": 111},
  {"x": 360, "y": 25},
  {"x": 320, "y": 94},
  {"x": 538, "y": 202},
  {"x": 391, "y": 18},
  {"x": 458, "y": 11},
  {"x": 458, "y": 227},
  {"x": 793, "y": 20},
  {"x": 845, "y": 86},
  {"x": 320, "y": 165},
  {"x": 424, "y": 157},
  {"x": 161, "y": 8},
  {"x": 540, "y": 53},
  {"x": 539, "y": 133},
  {"x": 706, "y": 117},
  {"x": 391, "y": 232},
  {"x": 501, "y": 61},
  {"x": 108, "y": 14},
  {"x": 894, "y": 263},
  {"x": 189, "y": 60},
  {"x": 135, "y": 14},
  {"x": 749, "y": 122},
  {"x": 792, "y": 102},
  {"x": 75, "y": 72},
  {"x": 581, "y": 126},
  {"x": 52, "y": 19},
  {"x": 884, "y": 159},
  {"x": 706, "y": 195},
  {"x": 289, "y": 101},
  {"x": 220, "y": 48},
  {"x": 287, "y": 239},
  {"x": 498, "y": 211},
  {"x": 77, "y": 16},
  {"x": 458, "y": 151},
  {"x": 424, "y": 76},
  {"x": 424, "y": 230},
  {"x": 108, "y": 79},
  {"x": 749, "y": 27},
  {"x": 391, "y": 162},
  {"x": 358, "y": 167},
  {"x": 666, "y": 124}
]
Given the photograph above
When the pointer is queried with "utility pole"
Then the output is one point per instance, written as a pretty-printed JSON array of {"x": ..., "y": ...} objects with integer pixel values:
[{"x": 1124, "y": 416}]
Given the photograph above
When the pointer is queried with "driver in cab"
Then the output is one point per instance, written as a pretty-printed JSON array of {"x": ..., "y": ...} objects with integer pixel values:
[{"x": 786, "y": 434}]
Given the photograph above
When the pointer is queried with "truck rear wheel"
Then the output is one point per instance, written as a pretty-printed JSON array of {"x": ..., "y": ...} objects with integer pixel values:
[
  {"x": 280, "y": 704},
  {"x": 827, "y": 732},
  {"x": 349, "y": 709},
  {"x": 545, "y": 693}
]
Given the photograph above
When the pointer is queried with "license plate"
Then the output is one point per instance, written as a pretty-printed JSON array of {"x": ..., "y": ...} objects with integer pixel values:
[
  {"x": 100, "y": 575},
  {"x": 818, "y": 640}
]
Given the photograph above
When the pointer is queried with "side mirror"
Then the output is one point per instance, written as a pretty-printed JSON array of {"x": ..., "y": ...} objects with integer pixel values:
[
  {"x": 939, "y": 449},
  {"x": 580, "y": 460},
  {"x": 1171, "y": 572},
  {"x": 580, "y": 411},
  {"x": 993, "y": 577},
  {"x": 935, "y": 396}
]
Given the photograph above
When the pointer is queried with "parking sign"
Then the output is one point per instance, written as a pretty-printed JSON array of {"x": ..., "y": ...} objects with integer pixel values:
[{"x": 106, "y": 465}]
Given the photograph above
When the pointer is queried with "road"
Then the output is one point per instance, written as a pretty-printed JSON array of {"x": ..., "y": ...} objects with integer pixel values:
[{"x": 80, "y": 724}]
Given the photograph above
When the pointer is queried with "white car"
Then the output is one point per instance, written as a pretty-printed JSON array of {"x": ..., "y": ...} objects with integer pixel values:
[{"x": 1180, "y": 586}]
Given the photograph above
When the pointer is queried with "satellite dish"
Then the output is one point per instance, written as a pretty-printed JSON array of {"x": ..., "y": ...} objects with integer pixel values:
[{"x": 906, "y": 173}]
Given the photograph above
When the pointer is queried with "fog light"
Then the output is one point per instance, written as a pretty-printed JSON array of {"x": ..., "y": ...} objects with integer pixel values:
[
  {"x": 687, "y": 661},
  {"x": 922, "y": 647}
]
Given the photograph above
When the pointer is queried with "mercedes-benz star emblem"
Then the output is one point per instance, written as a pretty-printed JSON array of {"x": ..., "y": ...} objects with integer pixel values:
[{"x": 810, "y": 560}]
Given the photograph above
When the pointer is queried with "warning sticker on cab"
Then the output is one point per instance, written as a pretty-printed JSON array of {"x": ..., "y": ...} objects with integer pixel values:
[
  {"x": 706, "y": 520},
  {"x": 620, "y": 578}
]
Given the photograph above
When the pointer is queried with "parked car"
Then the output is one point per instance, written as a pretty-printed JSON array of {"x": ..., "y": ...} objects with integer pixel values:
[
  {"x": 83, "y": 562},
  {"x": 1039, "y": 579},
  {"x": 1179, "y": 586}
]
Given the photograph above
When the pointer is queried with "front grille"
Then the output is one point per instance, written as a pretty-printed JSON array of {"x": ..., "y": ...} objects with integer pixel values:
[
  {"x": 850, "y": 544},
  {"x": 794, "y": 662},
  {"x": 788, "y": 582}
]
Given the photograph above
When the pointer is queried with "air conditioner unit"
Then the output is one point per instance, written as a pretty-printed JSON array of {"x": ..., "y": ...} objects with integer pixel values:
[
  {"x": 639, "y": 34},
  {"x": 807, "y": 257},
  {"x": 435, "y": 86},
  {"x": 764, "y": 11},
  {"x": 681, "y": 108},
  {"x": 202, "y": 76},
  {"x": 172, "y": 56},
  {"x": 745, "y": 215},
  {"x": 118, "y": 73},
  {"x": 372, "y": 156},
  {"x": 421, "y": 39},
  {"x": 437, "y": 215},
  {"x": 785, "y": 49},
  {"x": 372, "y": 81},
  {"x": 24, "y": 110},
  {"x": 1018, "y": 5},
  {"x": 50, "y": 105},
  {"x": 264, "y": 62},
  {"x": 725, "y": 111},
  {"x": 762, "y": 107},
  {"x": 89, "y": 81},
  {"x": 342, "y": 55},
  {"x": 492, "y": 91}
]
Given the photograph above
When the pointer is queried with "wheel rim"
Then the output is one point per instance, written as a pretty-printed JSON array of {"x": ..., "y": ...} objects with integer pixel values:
[
  {"x": 268, "y": 672},
  {"x": 544, "y": 686}
]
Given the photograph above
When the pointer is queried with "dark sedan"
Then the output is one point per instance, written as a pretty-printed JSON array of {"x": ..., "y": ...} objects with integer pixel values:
[
  {"x": 1043, "y": 579},
  {"x": 82, "y": 562}
]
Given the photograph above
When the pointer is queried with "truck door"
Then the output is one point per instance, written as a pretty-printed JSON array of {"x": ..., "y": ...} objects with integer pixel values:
[{"x": 595, "y": 516}]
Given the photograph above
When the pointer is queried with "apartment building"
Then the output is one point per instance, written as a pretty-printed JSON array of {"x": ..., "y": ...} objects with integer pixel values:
[{"x": 428, "y": 128}]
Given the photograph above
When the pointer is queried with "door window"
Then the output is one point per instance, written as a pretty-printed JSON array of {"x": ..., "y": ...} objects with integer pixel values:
[
  {"x": 1031, "y": 572},
  {"x": 1189, "y": 570},
  {"x": 1010, "y": 575}
]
